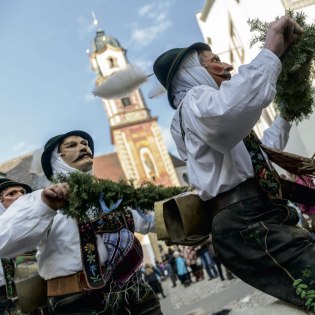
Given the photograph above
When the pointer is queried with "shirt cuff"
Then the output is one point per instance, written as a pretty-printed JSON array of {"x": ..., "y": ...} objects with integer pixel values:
[
  {"x": 282, "y": 123},
  {"x": 271, "y": 63},
  {"x": 41, "y": 208}
]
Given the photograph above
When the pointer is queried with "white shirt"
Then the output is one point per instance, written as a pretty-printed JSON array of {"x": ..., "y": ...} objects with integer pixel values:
[
  {"x": 215, "y": 122},
  {"x": 30, "y": 223}
]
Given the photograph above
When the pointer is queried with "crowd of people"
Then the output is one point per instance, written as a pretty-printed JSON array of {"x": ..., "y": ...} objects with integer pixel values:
[{"x": 185, "y": 265}]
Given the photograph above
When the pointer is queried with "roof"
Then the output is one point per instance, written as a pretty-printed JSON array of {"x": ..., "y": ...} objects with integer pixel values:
[
  {"x": 107, "y": 166},
  {"x": 18, "y": 168},
  {"x": 177, "y": 162}
]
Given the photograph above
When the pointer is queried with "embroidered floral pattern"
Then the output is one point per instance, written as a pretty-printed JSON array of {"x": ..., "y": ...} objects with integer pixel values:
[
  {"x": 106, "y": 223},
  {"x": 90, "y": 256},
  {"x": 114, "y": 221},
  {"x": 267, "y": 178}
]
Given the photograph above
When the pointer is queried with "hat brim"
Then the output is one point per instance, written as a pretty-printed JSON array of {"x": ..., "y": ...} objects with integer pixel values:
[
  {"x": 46, "y": 156},
  {"x": 196, "y": 46},
  {"x": 5, "y": 185}
]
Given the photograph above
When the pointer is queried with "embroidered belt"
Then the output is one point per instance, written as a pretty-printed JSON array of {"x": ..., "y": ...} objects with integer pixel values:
[
  {"x": 71, "y": 284},
  {"x": 246, "y": 190}
]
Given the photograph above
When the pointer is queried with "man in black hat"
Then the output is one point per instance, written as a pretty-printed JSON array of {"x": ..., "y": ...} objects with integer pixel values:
[
  {"x": 253, "y": 230},
  {"x": 86, "y": 271},
  {"x": 10, "y": 191}
]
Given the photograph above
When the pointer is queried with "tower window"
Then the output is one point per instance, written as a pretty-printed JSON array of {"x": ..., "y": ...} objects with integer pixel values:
[
  {"x": 185, "y": 178},
  {"x": 149, "y": 164},
  {"x": 126, "y": 101},
  {"x": 112, "y": 62}
]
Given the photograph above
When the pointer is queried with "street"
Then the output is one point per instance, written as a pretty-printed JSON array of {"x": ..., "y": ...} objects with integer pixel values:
[{"x": 206, "y": 297}]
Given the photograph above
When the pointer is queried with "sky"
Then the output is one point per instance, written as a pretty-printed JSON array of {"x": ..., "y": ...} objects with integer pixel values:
[{"x": 45, "y": 75}]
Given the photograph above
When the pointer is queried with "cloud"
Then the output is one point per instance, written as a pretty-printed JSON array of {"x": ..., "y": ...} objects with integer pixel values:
[
  {"x": 156, "y": 11},
  {"x": 23, "y": 146},
  {"x": 158, "y": 15}
]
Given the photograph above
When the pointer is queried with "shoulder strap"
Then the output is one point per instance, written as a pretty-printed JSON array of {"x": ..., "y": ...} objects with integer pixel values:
[{"x": 8, "y": 271}]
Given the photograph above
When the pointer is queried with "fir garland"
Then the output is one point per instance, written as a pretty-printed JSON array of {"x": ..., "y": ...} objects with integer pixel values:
[
  {"x": 86, "y": 190},
  {"x": 295, "y": 93}
]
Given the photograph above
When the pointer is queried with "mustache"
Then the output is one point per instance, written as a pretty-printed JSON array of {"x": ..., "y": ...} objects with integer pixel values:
[
  {"x": 226, "y": 75},
  {"x": 81, "y": 155}
]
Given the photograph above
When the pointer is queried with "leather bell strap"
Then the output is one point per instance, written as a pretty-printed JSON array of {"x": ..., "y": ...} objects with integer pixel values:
[
  {"x": 267, "y": 177},
  {"x": 8, "y": 269}
]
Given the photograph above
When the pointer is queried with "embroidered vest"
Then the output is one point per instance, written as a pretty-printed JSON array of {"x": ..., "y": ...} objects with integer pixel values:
[{"x": 112, "y": 224}]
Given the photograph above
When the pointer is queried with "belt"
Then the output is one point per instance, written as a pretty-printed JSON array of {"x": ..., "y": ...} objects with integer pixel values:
[
  {"x": 75, "y": 283},
  {"x": 246, "y": 190}
]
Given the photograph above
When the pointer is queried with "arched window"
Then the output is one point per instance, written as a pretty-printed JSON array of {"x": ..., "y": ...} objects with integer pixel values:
[{"x": 148, "y": 164}]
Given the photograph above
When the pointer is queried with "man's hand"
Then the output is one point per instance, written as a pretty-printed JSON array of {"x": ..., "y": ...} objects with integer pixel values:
[
  {"x": 55, "y": 196},
  {"x": 281, "y": 34}
]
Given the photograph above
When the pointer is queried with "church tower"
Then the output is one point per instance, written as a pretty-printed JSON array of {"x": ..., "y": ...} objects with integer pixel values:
[{"x": 134, "y": 133}]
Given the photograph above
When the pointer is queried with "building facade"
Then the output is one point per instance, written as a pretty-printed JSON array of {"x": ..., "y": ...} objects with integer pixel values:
[{"x": 224, "y": 26}]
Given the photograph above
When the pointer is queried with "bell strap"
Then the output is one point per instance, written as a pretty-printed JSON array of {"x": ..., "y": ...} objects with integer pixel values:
[
  {"x": 90, "y": 257},
  {"x": 106, "y": 223},
  {"x": 265, "y": 174},
  {"x": 8, "y": 270}
]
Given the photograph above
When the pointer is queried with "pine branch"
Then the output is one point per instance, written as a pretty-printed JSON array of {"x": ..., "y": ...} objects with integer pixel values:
[
  {"x": 85, "y": 192},
  {"x": 295, "y": 93}
]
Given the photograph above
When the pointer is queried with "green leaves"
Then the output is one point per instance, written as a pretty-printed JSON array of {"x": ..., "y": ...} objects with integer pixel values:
[
  {"x": 295, "y": 93},
  {"x": 85, "y": 191},
  {"x": 304, "y": 294}
]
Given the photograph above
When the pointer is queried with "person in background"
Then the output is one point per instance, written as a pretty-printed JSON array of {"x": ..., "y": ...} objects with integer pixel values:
[
  {"x": 215, "y": 258},
  {"x": 171, "y": 266},
  {"x": 151, "y": 277},
  {"x": 190, "y": 256},
  {"x": 182, "y": 271},
  {"x": 207, "y": 261},
  {"x": 10, "y": 191}
]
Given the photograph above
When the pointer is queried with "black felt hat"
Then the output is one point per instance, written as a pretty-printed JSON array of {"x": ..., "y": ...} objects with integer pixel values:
[
  {"x": 54, "y": 141},
  {"x": 5, "y": 183},
  {"x": 166, "y": 65}
]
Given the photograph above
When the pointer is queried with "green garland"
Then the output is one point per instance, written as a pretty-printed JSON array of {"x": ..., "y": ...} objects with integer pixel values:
[
  {"x": 86, "y": 189},
  {"x": 295, "y": 94}
]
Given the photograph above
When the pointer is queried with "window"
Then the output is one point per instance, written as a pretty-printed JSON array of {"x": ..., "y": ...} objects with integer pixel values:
[
  {"x": 126, "y": 101},
  {"x": 148, "y": 164},
  {"x": 112, "y": 62}
]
